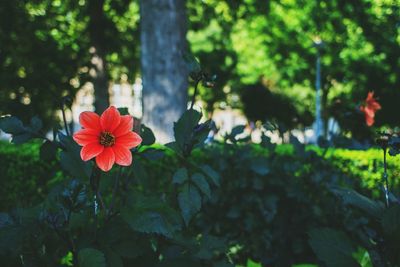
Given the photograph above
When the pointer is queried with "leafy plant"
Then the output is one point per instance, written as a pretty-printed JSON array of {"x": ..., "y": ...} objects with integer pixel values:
[
  {"x": 94, "y": 218},
  {"x": 371, "y": 225}
]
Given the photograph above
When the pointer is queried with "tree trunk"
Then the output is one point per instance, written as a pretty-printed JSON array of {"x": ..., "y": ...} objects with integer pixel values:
[
  {"x": 164, "y": 72},
  {"x": 98, "y": 72}
]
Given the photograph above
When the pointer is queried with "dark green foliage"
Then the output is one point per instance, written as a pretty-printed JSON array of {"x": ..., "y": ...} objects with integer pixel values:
[
  {"x": 90, "y": 218},
  {"x": 46, "y": 53},
  {"x": 189, "y": 201},
  {"x": 152, "y": 215},
  {"x": 147, "y": 135},
  {"x": 70, "y": 159},
  {"x": 200, "y": 181},
  {"x": 90, "y": 257},
  {"x": 255, "y": 228},
  {"x": 354, "y": 199},
  {"x": 260, "y": 104},
  {"x": 24, "y": 177},
  {"x": 268, "y": 201},
  {"x": 180, "y": 176},
  {"x": 21, "y": 133},
  {"x": 191, "y": 209},
  {"x": 333, "y": 247},
  {"x": 261, "y": 195}
]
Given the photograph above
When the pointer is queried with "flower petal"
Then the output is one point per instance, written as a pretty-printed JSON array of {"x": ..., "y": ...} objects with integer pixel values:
[
  {"x": 106, "y": 159},
  {"x": 90, "y": 120},
  {"x": 110, "y": 119},
  {"x": 123, "y": 155},
  {"x": 369, "y": 112},
  {"x": 86, "y": 136},
  {"x": 129, "y": 140},
  {"x": 124, "y": 126},
  {"x": 91, "y": 150},
  {"x": 369, "y": 120}
]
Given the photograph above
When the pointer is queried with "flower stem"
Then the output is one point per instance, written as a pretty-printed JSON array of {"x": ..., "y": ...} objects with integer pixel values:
[
  {"x": 196, "y": 85},
  {"x": 385, "y": 178},
  {"x": 94, "y": 184},
  {"x": 116, "y": 185},
  {"x": 65, "y": 120}
]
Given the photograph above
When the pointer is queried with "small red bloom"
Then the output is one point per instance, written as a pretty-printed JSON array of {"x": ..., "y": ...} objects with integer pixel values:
[
  {"x": 370, "y": 108},
  {"x": 108, "y": 138}
]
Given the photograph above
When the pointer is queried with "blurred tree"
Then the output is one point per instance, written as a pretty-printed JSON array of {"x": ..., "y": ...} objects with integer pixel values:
[
  {"x": 261, "y": 104},
  {"x": 164, "y": 72},
  {"x": 45, "y": 51},
  {"x": 45, "y": 46},
  {"x": 97, "y": 24},
  {"x": 275, "y": 39},
  {"x": 39, "y": 57}
]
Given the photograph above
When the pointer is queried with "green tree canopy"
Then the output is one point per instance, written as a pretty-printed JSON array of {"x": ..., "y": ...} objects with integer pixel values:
[{"x": 45, "y": 51}]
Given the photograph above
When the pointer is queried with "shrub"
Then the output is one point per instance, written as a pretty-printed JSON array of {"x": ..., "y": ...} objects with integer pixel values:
[
  {"x": 269, "y": 198},
  {"x": 97, "y": 216},
  {"x": 366, "y": 166},
  {"x": 24, "y": 177},
  {"x": 264, "y": 191}
]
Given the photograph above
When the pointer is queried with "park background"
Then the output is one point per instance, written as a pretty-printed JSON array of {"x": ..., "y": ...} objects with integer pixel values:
[
  {"x": 286, "y": 83},
  {"x": 263, "y": 55}
]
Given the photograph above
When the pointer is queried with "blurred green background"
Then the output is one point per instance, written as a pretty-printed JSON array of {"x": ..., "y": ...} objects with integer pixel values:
[{"x": 263, "y": 46}]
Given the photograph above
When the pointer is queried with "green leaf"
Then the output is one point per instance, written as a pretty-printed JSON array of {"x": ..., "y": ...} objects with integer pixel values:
[
  {"x": 113, "y": 259},
  {"x": 11, "y": 239},
  {"x": 129, "y": 248},
  {"x": 147, "y": 135},
  {"x": 390, "y": 222},
  {"x": 237, "y": 130},
  {"x": 11, "y": 125},
  {"x": 251, "y": 263},
  {"x": 36, "y": 124},
  {"x": 70, "y": 159},
  {"x": 200, "y": 181},
  {"x": 352, "y": 198},
  {"x": 151, "y": 215},
  {"x": 332, "y": 247},
  {"x": 48, "y": 151},
  {"x": 201, "y": 132},
  {"x": 184, "y": 127},
  {"x": 152, "y": 153},
  {"x": 180, "y": 176},
  {"x": 259, "y": 166},
  {"x": 123, "y": 111},
  {"x": 193, "y": 65},
  {"x": 189, "y": 202},
  {"x": 90, "y": 257},
  {"x": 78, "y": 220},
  {"x": 174, "y": 146},
  {"x": 21, "y": 138},
  {"x": 149, "y": 222},
  {"x": 210, "y": 246},
  {"x": 212, "y": 174}
]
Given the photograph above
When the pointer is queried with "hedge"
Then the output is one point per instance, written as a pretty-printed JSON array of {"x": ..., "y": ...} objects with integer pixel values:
[
  {"x": 24, "y": 177},
  {"x": 264, "y": 191},
  {"x": 366, "y": 166}
]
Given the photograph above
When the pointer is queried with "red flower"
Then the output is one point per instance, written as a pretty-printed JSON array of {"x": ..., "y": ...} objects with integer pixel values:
[
  {"x": 370, "y": 108},
  {"x": 108, "y": 138}
]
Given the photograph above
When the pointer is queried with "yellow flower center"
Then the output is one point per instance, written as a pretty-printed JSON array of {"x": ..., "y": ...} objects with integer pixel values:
[{"x": 107, "y": 139}]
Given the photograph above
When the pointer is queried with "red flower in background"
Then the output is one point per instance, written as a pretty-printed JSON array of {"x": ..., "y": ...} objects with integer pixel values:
[
  {"x": 108, "y": 138},
  {"x": 370, "y": 108}
]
